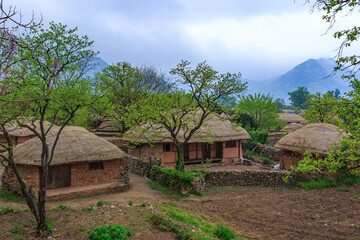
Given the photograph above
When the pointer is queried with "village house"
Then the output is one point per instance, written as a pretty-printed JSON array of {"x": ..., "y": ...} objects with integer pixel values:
[
  {"x": 316, "y": 137},
  {"x": 80, "y": 159},
  {"x": 19, "y": 135},
  {"x": 291, "y": 118},
  {"x": 218, "y": 139},
  {"x": 291, "y": 127}
]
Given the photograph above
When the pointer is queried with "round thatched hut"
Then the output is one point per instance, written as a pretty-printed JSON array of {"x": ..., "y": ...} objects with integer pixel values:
[
  {"x": 315, "y": 137},
  {"x": 291, "y": 127},
  {"x": 217, "y": 139},
  {"x": 291, "y": 118},
  {"x": 80, "y": 159}
]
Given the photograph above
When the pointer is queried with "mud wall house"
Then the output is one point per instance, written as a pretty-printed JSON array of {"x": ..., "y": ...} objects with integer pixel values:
[
  {"x": 110, "y": 131},
  {"x": 80, "y": 159},
  {"x": 217, "y": 139},
  {"x": 17, "y": 135},
  {"x": 316, "y": 137}
]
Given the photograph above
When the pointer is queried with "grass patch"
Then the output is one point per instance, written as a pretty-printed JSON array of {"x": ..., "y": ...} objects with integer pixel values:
[
  {"x": 8, "y": 197},
  {"x": 157, "y": 186},
  {"x": 208, "y": 228},
  {"x": 110, "y": 232},
  {"x": 321, "y": 183},
  {"x": 266, "y": 160}
]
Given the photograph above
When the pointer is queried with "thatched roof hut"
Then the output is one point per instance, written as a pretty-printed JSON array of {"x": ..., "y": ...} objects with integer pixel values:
[
  {"x": 315, "y": 137},
  {"x": 291, "y": 127},
  {"x": 215, "y": 129},
  {"x": 80, "y": 159},
  {"x": 75, "y": 144},
  {"x": 291, "y": 118},
  {"x": 16, "y": 131}
]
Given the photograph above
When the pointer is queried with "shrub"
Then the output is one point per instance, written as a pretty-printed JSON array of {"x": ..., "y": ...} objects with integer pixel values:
[
  {"x": 112, "y": 232},
  {"x": 130, "y": 203},
  {"x": 266, "y": 160},
  {"x": 174, "y": 179},
  {"x": 99, "y": 203},
  {"x": 63, "y": 207},
  {"x": 224, "y": 232},
  {"x": 257, "y": 137},
  {"x": 91, "y": 208}
]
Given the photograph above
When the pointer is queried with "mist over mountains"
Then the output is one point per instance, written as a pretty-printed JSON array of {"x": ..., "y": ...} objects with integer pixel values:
[{"x": 312, "y": 74}]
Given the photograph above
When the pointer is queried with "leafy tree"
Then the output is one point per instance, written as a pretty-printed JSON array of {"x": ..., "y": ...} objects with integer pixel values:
[
  {"x": 280, "y": 103},
  {"x": 180, "y": 113},
  {"x": 123, "y": 85},
  {"x": 261, "y": 108},
  {"x": 246, "y": 121},
  {"x": 322, "y": 108},
  {"x": 299, "y": 97},
  {"x": 334, "y": 93},
  {"x": 52, "y": 87}
]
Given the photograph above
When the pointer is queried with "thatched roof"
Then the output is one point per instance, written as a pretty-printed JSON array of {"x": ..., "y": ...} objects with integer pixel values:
[
  {"x": 291, "y": 118},
  {"x": 76, "y": 144},
  {"x": 291, "y": 127},
  {"x": 315, "y": 137},
  {"x": 215, "y": 129},
  {"x": 16, "y": 131}
]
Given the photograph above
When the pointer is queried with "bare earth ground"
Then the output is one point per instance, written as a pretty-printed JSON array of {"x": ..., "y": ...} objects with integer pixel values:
[{"x": 257, "y": 213}]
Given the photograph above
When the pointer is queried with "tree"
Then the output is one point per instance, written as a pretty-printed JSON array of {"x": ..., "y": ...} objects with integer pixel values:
[
  {"x": 280, "y": 103},
  {"x": 181, "y": 113},
  {"x": 334, "y": 93},
  {"x": 124, "y": 85},
  {"x": 51, "y": 87},
  {"x": 261, "y": 108},
  {"x": 299, "y": 97},
  {"x": 322, "y": 108}
]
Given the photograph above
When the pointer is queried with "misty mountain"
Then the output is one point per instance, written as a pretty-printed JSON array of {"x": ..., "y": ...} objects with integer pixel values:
[
  {"x": 99, "y": 66},
  {"x": 313, "y": 74}
]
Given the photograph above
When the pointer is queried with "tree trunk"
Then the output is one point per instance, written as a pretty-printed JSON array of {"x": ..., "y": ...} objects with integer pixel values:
[
  {"x": 179, "y": 161},
  {"x": 41, "y": 227}
]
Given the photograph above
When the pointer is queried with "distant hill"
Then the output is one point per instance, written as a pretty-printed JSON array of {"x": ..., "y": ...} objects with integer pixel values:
[
  {"x": 313, "y": 74},
  {"x": 99, "y": 66}
]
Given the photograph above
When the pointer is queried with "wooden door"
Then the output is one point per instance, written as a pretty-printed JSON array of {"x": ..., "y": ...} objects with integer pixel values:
[
  {"x": 206, "y": 151},
  {"x": 219, "y": 150},
  {"x": 186, "y": 152},
  {"x": 59, "y": 176}
]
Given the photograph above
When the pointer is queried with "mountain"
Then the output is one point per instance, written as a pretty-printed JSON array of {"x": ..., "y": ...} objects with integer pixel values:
[
  {"x": 99, "y": 66},
  {"x": 315, "y": 74}
]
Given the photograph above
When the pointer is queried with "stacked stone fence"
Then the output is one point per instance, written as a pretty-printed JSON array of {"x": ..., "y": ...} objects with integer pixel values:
[
  {"x": 255, "y": 178},
  {"x": 139, "y": 166}
]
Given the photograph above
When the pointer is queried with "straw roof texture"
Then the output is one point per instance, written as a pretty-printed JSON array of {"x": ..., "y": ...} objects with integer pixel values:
[
  {"x": 315, "y": 137},
  {"x": 291, "y": 118},
  {"x": 75, "y": 144},
  {"x": 16, "y": 131},
  {"x": 291, "y": 127},
  {"x": 107, "y": 126},
  {"x": 215, "y": 129}
]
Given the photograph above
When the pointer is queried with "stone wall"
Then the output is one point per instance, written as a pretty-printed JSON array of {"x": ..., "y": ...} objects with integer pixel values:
[
  {"x": 139, "y": 166},
  {"x": 274, "y": 137},
  {"x": 114, "y": 171},
  {"x": 30, "y": 175},
  {"x": 268, "y": 151},
  {"x": 253, "y": 178},
  {"x": 146, "y": 151}
]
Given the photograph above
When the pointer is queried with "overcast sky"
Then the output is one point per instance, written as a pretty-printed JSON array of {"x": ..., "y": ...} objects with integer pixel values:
[{"x": 259, "y": 38}]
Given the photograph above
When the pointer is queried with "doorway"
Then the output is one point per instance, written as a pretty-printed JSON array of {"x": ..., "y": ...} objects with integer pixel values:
[{"x": 59, "y": 176}]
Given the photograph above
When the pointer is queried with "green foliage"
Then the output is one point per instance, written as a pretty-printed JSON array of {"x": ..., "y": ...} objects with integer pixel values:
[
  {"x": 49, "y": 225},
  {"x": 261, "y": 108},
  {"x": 90, "y": 208},
  {"x": 322, "y": 109},
  {"x": 5, "y": 210},
  {"x": 266, "y": 160},
  {"x": 299, "y": 97},
  {"x": 176, "y": 180},
  {"x": 130, "y": 203},
  {"x": 321, "y": 183},
  {"x": 8, "y": 197},
  {"x": 280, "y": 103},
  {"x": 112, "y": 232},
  {"x": 246, "y": 121},
  {"x": 257, "y": 137},
  {"x": 207, "y": 227},
  {"x": 143, "y": 205},
  {"x": 63, "y": 207},
  {"x": 180, "y": 113},
  {"x": 223, "y": 232},
  {"x": 100, "y": 203}
]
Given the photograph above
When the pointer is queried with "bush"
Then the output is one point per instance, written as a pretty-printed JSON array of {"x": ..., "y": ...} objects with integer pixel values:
[
  {"x": 99, "y": 203},
  {"x": 257, "y": 137},
  {"x": 112, "y": 232},
  {"x": 224, "y": 232},
  {"x": 266, "y": 160},
  {"x": 174, "y": 179}
]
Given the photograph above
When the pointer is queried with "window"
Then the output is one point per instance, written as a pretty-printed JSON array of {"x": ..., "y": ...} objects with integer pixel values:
[
  {"x": 230, "y": 144},
  {"x": 96, "y": 166},
  {"x": 167, "y": 147}
]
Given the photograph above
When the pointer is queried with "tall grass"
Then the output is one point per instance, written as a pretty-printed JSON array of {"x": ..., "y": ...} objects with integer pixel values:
[{"x": 321, "y": 183}]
